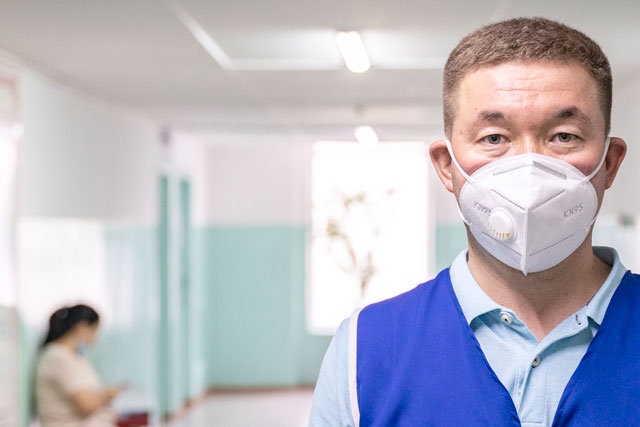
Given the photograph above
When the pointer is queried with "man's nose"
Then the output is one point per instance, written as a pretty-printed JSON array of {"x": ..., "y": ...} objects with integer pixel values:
[{"x": 530, "y": 144}]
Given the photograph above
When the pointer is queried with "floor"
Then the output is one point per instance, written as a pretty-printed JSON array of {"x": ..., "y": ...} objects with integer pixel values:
[{"x": 255, "y": 409}]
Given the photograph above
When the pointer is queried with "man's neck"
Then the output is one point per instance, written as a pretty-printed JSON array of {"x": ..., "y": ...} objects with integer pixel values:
[{"x": 541, "y": 300}]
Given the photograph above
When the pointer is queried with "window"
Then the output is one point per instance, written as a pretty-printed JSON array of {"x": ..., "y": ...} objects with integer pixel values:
[
  {"x": 61, "y": 261},
  {"x": 370, "y": 228},
  {"x": 9, "y": 135},
  {"x": 8, "y": 156}
]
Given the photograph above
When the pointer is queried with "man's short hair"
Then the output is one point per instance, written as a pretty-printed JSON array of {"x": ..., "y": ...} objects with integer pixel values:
[{"x": 525, "y": 39}]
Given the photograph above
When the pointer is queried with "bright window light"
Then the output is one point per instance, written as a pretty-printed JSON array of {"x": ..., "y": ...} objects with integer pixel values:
[
  {"x": 8, "y": 159},
  {"x": 366, "y": 136},
  {"x": 61, "y": 261},
  {"x": 353, "y": 52},
  {"x": 370, "y": 226}
]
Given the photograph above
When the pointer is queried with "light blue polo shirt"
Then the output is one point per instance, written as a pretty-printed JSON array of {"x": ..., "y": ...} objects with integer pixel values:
[{"x": 535, "y": 373}]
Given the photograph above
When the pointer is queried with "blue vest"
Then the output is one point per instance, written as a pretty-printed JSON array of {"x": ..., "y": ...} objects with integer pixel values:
[{"x": 419, "y": 364}]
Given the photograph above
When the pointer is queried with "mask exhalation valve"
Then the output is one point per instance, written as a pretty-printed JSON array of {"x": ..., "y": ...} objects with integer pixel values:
[{"x": 502, "y": 225}]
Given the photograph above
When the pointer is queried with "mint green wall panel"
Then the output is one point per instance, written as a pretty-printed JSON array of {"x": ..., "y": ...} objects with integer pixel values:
[
  {"x": 254, "y": 285},
  {"x": 170, "y": 343},
  {"x": 127, "y": 348},
  {"x": 311, "y": 352},
  {"x": 308, "y": 349},
  {"x": 182, "y": 304},
  {"x": 450, "y": 240},
  {"x": 29, "y": 343},
  {"x": 198, "y": 317}
]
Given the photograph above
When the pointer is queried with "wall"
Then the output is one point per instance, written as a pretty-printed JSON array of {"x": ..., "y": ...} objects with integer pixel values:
[
  {"x": 9, "y": 363},
  {"x": 254, "y": 249},
  {"x": 85, "y": 163},
  {"x": 183, "y": 322},
  {"x": 625, "y": 124},
  {"x": 91, "y": 169},
  {"x": 253, "y": 254},
  {"x": 85, "y": 158}
]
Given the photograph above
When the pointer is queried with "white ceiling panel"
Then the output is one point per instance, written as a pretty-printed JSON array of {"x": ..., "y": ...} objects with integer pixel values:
[
  {"x": 220, "y": 16},
  {"x": 308, "y": 44}
]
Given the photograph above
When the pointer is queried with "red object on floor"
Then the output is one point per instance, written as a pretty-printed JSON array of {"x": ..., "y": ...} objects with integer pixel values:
[{"x": 134, "y": 420}]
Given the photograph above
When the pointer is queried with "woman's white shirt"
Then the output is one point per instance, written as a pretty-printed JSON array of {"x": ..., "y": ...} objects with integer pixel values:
[{"x": 61, "y": 373}]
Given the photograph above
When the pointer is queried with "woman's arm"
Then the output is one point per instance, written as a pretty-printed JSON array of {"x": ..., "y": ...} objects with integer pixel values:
[{"x": 86, "y": 402}]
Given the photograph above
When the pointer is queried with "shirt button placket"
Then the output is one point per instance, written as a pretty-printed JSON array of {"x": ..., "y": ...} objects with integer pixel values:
[
  {"x": 536, "y": 362},
  {"x": 506, "y": 318}
]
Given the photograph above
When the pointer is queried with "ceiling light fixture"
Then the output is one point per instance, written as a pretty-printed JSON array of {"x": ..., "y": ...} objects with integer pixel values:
[
  {"x": 353, "y": 52},
  {"x": 366, "y": 136}
]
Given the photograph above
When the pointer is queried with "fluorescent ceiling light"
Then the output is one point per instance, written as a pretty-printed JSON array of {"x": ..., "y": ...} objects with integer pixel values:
[
  {"x": 353, "y": 51},
  {"x": 366, "y": 136}
]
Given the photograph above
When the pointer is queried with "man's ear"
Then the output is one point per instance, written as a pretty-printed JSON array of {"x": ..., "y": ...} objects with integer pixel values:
[
  {"x": 613, "y": 159},
  {"x": 441, "y": 160}
]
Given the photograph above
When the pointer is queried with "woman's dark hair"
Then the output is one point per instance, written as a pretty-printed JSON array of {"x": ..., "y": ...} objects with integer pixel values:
[{"x": 66, "y": 318}]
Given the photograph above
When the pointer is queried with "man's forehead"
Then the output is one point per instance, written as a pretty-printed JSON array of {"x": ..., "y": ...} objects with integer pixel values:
[
  {"x": 524, "y": 90},
  {"x": 565, "y": 86},
  {"x": 529, "y": 75},
  {"x": 565, "y": 113}
]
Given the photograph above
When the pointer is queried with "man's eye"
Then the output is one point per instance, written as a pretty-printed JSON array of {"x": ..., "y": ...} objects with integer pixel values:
[
  {"x": 493, "y": 139},
  {"x": 566, "y": 137}
]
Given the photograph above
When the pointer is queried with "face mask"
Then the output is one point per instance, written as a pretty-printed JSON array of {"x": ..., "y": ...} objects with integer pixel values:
[
  {"x": 82, "y": 349},
  {"x": 529, "y": 211}
]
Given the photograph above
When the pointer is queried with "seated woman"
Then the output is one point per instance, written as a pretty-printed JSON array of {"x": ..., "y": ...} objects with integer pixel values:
[{"x": 67, "y": 388}]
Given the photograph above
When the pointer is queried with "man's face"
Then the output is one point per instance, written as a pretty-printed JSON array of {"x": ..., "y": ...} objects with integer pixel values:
[{"x": 518, "y": 107}]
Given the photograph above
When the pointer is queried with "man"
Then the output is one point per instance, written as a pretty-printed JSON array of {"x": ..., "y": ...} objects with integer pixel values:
[{"x": 531, "y": 325}]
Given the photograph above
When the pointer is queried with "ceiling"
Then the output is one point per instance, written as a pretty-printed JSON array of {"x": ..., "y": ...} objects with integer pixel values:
[{"x": 270, "y": 69}]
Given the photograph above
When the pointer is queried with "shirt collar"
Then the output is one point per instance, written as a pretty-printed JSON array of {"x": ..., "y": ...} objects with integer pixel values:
[
  {"x": 475, "y": 302},
  {"x": 597, "y": 307}
]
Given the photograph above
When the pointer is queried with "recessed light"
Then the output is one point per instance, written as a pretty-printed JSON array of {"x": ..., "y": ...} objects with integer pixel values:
[
  {"x": 366, "y": 136},
  {"x": 353, "y": 52}
]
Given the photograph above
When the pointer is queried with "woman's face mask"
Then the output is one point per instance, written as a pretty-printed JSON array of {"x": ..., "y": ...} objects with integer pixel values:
[{"x": 86, "y": 338}]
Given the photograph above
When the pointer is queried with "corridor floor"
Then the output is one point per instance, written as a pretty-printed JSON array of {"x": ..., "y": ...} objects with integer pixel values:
[{"x": 252, "y": 409}]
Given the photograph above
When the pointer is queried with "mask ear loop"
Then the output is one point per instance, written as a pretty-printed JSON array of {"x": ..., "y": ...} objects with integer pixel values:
[
  {"x": 464, "y": 174},
  {"x": 595, "y": 171},
  {"x": 455, "y": 162},
  {"x": 602, "y": 159}
]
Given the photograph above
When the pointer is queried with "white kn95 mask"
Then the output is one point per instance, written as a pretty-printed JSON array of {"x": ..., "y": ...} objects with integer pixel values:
[{"x": 530, "y": 211}]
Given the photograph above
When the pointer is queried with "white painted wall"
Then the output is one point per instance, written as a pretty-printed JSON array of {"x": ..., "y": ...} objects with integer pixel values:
[
  {"x": 187, "y": 157},
  {"x": 265, "y": 184},
  {"x": 624, "y": 196},
  {"x": 81, "y": 157}
]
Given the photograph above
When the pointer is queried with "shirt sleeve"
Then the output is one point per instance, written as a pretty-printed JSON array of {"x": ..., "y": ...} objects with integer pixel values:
[{"x": 331, "y": 405}]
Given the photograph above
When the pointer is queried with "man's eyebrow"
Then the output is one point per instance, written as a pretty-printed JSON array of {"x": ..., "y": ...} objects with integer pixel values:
[
  {"x": 489, "y": 116},
  {"x": 572, "y": 113}
]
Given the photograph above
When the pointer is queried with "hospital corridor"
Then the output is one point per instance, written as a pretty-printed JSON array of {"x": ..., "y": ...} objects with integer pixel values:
[{"x": 195, "y": 194}]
